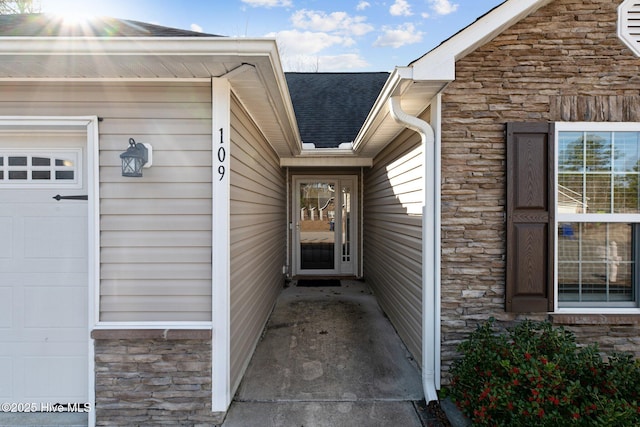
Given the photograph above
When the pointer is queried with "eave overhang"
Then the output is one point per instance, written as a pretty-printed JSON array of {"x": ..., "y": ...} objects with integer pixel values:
[{"x": 262, "y": 90}]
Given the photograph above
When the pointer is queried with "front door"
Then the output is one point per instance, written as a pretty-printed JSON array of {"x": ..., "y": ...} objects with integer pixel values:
[
  {"x": 325, "y": 216},
  {"x": 43, "y": 268}
]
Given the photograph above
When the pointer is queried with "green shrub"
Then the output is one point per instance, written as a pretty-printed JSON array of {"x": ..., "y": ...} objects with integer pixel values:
[{"x": 535, "y": 375}]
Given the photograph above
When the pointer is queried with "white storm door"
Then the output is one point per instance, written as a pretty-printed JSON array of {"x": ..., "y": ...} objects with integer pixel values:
[
  {"x": 44, "y": 338},
  {"x": 325, "y": 229}
]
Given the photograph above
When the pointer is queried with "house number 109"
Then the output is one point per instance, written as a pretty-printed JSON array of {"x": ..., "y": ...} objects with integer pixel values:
[{"x": 222, "y": 154}]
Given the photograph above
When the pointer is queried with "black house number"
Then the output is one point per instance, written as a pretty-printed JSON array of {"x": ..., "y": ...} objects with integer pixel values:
[{"x": 222, "y": 155}]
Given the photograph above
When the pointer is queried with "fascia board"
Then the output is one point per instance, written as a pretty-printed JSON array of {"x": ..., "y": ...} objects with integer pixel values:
[
  {"x": 379, "y": 111},
  {"x": 439, "y": 64},
  {"x": 271, "y": 76},
  {"x": 140, "y": 46},
  {"x": 294, "y": 140}
]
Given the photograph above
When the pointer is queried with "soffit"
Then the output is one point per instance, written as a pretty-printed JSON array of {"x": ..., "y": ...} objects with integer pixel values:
[{"x": 261, "y": 88}]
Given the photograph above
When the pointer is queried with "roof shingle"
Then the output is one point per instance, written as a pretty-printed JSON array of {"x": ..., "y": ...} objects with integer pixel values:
[
  {"x": 45, "y": 25},
  {"x": 331, "y": 107}
]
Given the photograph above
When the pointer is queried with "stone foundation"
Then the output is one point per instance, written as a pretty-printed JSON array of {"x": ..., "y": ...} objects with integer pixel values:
[{"x": 153, "y": 378}]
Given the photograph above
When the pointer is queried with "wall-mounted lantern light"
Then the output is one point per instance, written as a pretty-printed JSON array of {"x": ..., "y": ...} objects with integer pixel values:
[{"x": 137, "y": 156}]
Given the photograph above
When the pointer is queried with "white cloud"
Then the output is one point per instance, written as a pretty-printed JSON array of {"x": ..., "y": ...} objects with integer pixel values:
[
  {"x": 425, "y": 15},
  {"x": 363, "y": 5},
  {"x": 196, "y": 27},
  {"x": 400, "y": 8},
  {"x": 443, "y": 7},
  {"x": 268, "y": 3},
  {"x": 294, "y": 42},
  {"x": 347, "y": 61},
  {"x": 323, "y": 63},
  {"x": 339, "y": 22},
  {"x": 399, "y": 36}
]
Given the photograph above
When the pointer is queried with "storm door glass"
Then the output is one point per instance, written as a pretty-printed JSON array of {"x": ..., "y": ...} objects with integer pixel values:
[{"x": 317, "y": 225}]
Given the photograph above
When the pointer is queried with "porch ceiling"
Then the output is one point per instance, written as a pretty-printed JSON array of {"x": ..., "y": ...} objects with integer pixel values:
[{"x": 261, "y": 86}]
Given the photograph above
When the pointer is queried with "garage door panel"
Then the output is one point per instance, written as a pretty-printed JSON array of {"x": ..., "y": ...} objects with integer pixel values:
[
  {"x": 6, "y": 377},
  {"x": 6, "y": 307},
  {"x": 54, "y": 376},
  {"x": 6, "y": 237},
  {"x": 55, "y": 238},
  {"x": 55, "y": 307}
]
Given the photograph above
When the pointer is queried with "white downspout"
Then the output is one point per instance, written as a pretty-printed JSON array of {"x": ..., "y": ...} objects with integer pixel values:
[{"x": 429, "y": 246}]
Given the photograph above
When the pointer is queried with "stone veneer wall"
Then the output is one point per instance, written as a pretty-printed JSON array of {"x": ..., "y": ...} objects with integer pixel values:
[
  {"x": 564, "y": 62},
  {"x": 153, "y": 378}
]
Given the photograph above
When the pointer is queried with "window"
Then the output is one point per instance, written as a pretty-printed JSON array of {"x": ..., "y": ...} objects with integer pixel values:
[
  {"x": 36, "y": 169},
  {"x": 598, "y": 215},
  {"x": 573, "y": 217}
]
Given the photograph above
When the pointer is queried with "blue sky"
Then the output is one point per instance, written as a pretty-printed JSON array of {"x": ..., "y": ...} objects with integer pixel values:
[{"x": 312, "y": 35}]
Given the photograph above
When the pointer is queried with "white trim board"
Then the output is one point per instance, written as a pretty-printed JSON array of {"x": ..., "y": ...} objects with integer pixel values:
[{"x": 221, "y": 246}]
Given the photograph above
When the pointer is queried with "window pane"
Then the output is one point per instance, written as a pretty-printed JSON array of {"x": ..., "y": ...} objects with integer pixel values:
[
  {"x": 64, "y": 162},
  {"x": 64, "y": 174},
  {"x": 570, "y": 152},
  {"x": 598, "y": 193},
  {"x": 625, "y": 194},
  {"x": 571, "y": 193},
  {"x": 1, "y": 161},
  {"x": 598, "y": 151},
  {"x": 40, "y": 161},
  {"x": 41, "y": 175},
  {"x": 17, "y": 161},
  {"x": 626, "y": 152},
  {"x": 596, "y": 264},
  {"x": 17, "y": 174}
]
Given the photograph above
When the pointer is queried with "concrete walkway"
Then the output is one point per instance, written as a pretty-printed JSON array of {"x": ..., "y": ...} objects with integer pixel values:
[{"x": 329, "y": 357}]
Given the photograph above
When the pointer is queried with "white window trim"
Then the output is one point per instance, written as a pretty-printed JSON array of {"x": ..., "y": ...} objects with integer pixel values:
[{"x": 588, "y": 127}]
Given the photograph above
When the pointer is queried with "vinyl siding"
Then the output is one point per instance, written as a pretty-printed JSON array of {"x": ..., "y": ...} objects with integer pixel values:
[
  {"x": 258, "y": 236},
  {"x": 155, "y": 230},
  {"x": 393, "y": 236}
]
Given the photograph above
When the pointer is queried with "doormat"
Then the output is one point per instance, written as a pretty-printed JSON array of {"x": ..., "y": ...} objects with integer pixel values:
[{"x": 318, "y": 283}]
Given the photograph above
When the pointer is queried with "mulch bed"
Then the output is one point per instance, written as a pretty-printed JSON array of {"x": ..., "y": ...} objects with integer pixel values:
[{"x": 432, "y": 414}]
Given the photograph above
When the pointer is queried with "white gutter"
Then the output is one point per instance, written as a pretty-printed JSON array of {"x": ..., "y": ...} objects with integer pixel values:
[{"x": 430, "y": 252}]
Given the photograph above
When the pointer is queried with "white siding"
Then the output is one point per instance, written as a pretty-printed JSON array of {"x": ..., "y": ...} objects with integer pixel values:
[
  {"x": 393, "y": 236},
  {"x": 258, "y": 236},
  {"x": 155, "y": 230}
]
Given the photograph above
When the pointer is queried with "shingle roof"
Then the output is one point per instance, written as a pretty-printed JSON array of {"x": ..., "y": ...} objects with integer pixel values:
[
  {"x": 331, "y": 107},
  {"x": 44, "y": 25}
]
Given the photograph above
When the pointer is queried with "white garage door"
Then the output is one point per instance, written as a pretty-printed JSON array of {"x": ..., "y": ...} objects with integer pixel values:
[{"x": 43, "y": 269}]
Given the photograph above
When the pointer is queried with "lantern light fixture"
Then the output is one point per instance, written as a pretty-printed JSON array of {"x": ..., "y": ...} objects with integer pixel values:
[{"x": 137, "y": 156}]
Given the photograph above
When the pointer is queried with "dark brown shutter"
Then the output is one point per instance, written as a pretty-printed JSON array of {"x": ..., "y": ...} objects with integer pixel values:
[{"x": 530, "y": 217}]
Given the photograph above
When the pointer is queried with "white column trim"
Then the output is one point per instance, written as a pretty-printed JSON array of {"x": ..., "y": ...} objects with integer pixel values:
[{"x": 220, "y": 245}]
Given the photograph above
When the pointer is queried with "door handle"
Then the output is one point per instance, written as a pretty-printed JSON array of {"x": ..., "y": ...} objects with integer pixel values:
[{"x": 59, "y": 197}]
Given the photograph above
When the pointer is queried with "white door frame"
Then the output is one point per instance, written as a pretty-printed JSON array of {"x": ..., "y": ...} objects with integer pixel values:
[
  {"x": 88, "y": 124},
  {"x": 340, "y": 268}
]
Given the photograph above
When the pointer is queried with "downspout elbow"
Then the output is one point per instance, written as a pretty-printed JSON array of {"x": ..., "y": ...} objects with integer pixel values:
[
  {"x": 423, "y": 128},
  {"x": 428, "y": 246}
]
